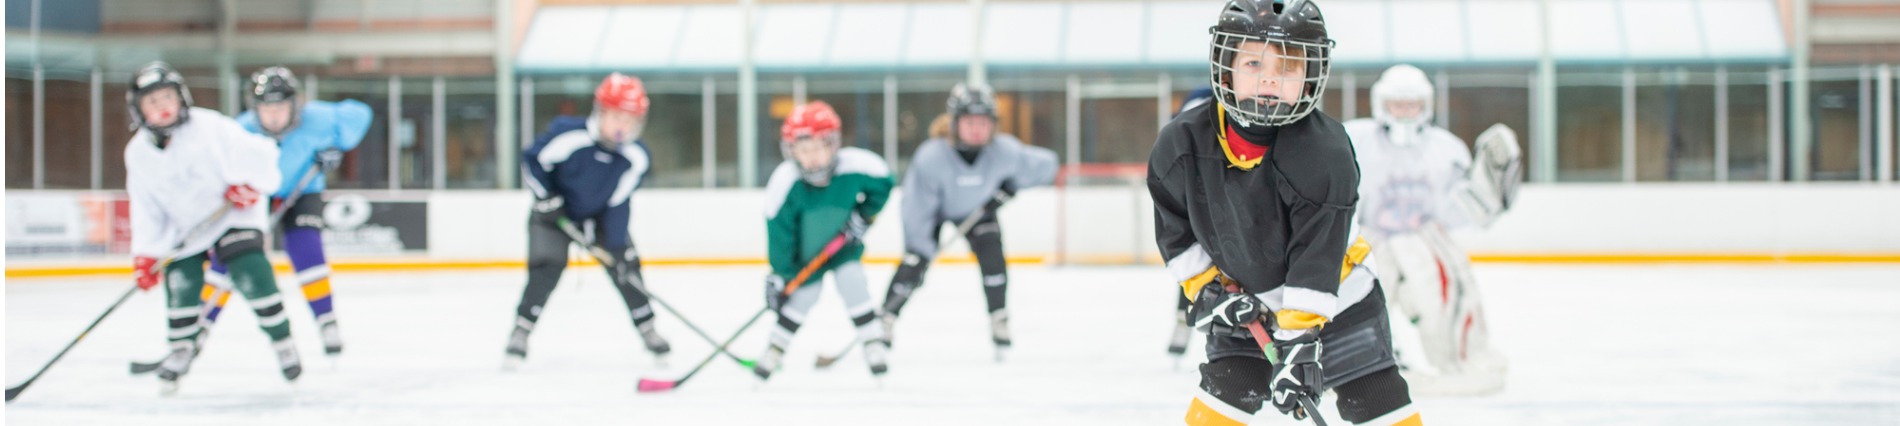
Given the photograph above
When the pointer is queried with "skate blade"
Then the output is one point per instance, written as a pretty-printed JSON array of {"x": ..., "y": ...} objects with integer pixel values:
[
  {"x": 659, "y": 361},
  {"x": 512, "y": 363},
  {"x": 167, "y": 388}
]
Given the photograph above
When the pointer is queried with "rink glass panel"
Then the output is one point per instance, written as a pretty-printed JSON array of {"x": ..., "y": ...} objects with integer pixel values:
[
  {"x": 469, "y": 137},
  {"x": 1838, "y": 131},
  {"x": 367, "y": 166},
  {"x": 1675, "y": 125},
  {"x": 1479, "y": 98},
  {"x": 1589, "y": 128},
  {"x": 1748, "y": 124}
]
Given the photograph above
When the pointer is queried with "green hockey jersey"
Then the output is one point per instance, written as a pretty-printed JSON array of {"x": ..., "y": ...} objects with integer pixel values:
[{"x": 800, "y": 218}]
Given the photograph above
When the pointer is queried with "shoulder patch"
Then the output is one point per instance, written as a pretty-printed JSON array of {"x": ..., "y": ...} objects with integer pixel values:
[
  {"x": 861, "y": 161},
  {"x": 779, "y": 186},
  {"x": 562, "y": 147}
]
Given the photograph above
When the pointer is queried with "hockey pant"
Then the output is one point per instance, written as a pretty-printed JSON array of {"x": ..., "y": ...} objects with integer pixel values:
[
  {"x": 547, "y": 260},
  {"x": 986, "y": 242},
  {"x": 302, "y": 229},
  {"x": 1437, "y": 314},
  {"x": 849, "y": 278},
  {"x": 242, "y": 250},
  {"x": 1357, "y": 360}
]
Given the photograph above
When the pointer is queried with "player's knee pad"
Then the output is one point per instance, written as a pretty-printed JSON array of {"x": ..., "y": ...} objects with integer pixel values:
[
  {"x": 307, "y": 213},
  {"x": 237, "y": 243},
  {"x": 1232, "y": 388},
  {"x": 1358, "y": 341},
  {"x": 909, "y": 277},
  {"x": 1376, "y": 395}
]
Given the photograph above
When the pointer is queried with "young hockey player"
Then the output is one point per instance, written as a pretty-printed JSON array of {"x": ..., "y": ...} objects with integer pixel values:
[
  {"x": 1178, "y": 342},
  {"x": 192, "y": 177},
  {"x": 1419, "y": 182},
  {"x": 971, "y": 173},
  {"x": 1253, "y": 202},
  {"x": 311, "y": 139},
  {"x": 586, "y": 177},
  {"x": 820, "y": 190}
]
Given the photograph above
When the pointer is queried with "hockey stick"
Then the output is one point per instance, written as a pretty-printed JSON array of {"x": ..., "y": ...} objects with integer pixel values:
[
  {"x": 639, "y": 284},
  {"x": 195, "y": 231},
  {"x": 824, "y": 256},
  {"x": 309, "y": 174},
  {"x": 1259, "y": 332},
  {"x": 943, "y": 243}
]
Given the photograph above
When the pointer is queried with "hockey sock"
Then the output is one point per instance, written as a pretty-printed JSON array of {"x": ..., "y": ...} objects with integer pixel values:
[
  {"x": 215, "y": 294},
  {"x": 305, "y": 246},
  {"x": 184, "y": 279},
  {"x": 251, "y": 274},
  {"x": 986, "y": 241},
  {"x": 910, "y": 277}
]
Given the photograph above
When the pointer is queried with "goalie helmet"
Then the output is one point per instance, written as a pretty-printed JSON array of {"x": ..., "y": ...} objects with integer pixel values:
[
  {"x": 152, "y": 77},
  {"x": 1294, "y": 32},
  {"x": 1402, "y": 83},
  {"x": 813, "y": 122},
  {"x": 273, "y": 85}
]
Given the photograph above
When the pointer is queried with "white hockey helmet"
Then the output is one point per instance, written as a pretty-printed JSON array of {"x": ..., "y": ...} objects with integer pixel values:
[{"x": 1402, "y": 83}]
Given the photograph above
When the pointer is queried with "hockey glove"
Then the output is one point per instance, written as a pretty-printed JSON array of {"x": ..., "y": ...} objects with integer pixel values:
[
  {"x": 855, "y": 228},
  {"x": 1004, "y": 193},
  {"x": 1297, "y": 375},
  {"x": 1218, "y": 312},
  {"x": 329, "y": 159},
  {"x": 145, "y": 272},
  {"x": 550, "y": 209},
  {"x": 241, "y": 196},
  {"x": 774, "y": 292}
]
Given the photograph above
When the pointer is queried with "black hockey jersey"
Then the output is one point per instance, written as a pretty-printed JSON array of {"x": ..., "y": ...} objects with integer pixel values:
[{"x": 1281, "y": 229}]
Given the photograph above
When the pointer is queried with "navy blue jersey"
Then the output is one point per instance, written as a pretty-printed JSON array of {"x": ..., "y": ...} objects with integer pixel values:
[{"x": 595, "y": 182}]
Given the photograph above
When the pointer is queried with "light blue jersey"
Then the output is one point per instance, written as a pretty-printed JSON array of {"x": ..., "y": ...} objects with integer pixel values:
[{"x": 322, "y": 125}]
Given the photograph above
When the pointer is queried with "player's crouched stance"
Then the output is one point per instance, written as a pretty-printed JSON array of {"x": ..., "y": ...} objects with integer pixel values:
[
  {"x": 819, "y": 191},
  {"x": 182, "y": 167},
  {"x": 1254, "y": 199}
]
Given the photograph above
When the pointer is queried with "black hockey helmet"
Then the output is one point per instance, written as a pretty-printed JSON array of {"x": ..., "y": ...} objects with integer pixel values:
[
  {"x": 272, "y": 85},
  {"x": 969, "y": 99},
  {"x": 1296, "y": 30},
  {"x": 154, "y": 76}
]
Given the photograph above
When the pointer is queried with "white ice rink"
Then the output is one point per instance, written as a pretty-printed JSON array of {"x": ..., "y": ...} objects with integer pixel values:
[{"x": 1589, "y": 345}]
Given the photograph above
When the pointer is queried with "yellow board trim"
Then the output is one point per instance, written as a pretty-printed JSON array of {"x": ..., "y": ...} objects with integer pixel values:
[{"x": 1413, "y": 420}]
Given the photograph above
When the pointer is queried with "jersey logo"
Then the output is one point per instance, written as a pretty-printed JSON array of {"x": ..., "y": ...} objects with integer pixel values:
[
  {"x": 603, "y": 158},
  {"x": 970, "y": 180}
]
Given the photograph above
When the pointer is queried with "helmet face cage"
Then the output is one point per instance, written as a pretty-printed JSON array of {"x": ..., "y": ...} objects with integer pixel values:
[
  {"x": 1313, "y": 57},
  {"x": 819, "y": 176},
  {"x": 969, "y": 99},
  {"x": 151, "y": 77},
  {"x": 1402, "y": 83},
  {"x": 273, "y": 85}
]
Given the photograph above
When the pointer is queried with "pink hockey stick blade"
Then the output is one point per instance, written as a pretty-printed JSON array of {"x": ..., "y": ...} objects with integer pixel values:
[{"x": 650, "y": 385}]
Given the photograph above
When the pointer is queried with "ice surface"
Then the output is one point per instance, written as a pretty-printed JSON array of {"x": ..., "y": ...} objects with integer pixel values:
[{"x": 1637, "y": 345}]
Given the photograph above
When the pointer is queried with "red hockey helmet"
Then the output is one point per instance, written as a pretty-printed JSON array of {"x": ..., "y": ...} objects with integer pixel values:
[
  {"x": 622, "y": 92},
  {"x": 815, "y": 119}
]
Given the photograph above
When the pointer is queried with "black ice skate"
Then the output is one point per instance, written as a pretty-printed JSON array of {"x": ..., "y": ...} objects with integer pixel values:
[
  {"x": 999, "y": 333},
  {"x": 174, "y": 367},
  {"x": 332, "y": 339},
  {"x": 287, "y": 359},
  {"x": 655, "y": 344},
  {"x": 517, "y": 352},
  {"x": 768, "y": 362},
  {"x": 875, "y": 352}
]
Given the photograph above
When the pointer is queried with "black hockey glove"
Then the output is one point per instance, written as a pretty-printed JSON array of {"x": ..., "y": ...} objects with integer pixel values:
[
  {"x": 1220, "y": 313},
  {"x": 1297, "y": 375},
  {"x": 549, "y": 209},
  {"x": 329, "y": 159},
  {"x": 774, "y": 292},
  {"x": 855, "y": 228},
  {"x": 1004, "y": 193}
]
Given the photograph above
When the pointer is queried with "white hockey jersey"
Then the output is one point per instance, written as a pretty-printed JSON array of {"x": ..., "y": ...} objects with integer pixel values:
[
  {"x": 174, "y": 189},
  {"x": 1405, "y": 187}
]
